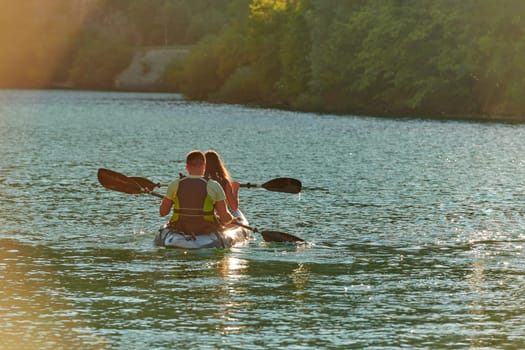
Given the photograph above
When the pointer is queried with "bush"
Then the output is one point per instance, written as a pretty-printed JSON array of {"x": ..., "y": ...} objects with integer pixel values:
[{"x": 243, "y": 86}]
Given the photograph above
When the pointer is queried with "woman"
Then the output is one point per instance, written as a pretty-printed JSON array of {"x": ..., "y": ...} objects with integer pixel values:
[{"x": 216, "y": 170}]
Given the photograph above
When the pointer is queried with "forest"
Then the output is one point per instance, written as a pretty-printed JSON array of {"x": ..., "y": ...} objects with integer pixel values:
[{"x": 428, "y": 58}]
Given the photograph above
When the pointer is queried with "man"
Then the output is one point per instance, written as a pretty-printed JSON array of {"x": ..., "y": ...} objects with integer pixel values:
[{"x": 195, "y": 200}]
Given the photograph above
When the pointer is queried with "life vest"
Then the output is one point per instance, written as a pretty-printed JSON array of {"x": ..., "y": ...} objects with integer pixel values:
[{"x": 193, "y": 207}]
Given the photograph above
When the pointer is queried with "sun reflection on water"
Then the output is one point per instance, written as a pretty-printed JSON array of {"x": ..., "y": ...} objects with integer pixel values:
[{"x": 231, "y": 301}]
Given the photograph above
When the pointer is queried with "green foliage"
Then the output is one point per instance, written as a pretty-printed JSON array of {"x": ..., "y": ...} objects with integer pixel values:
[
  {"x": 379, "y": 56},
  {"x": 294, "y": 50},
  {"x": 386, "y": 57},
  {"x": 199, "y": 77},
  {"x": 242, "y": 86},
  {"x": 495, "y": 54}
]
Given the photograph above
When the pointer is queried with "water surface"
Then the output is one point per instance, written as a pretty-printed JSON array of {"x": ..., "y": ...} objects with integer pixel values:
[{"x": 415, "y": 228}]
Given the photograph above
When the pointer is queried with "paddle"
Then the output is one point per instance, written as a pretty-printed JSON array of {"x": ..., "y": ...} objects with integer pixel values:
[
  {"x": 273, "y": 236},
  {"x": 281, "y": 184},
  {"x": 121, "y": 183},
  {"x": 136, "y": 185}
]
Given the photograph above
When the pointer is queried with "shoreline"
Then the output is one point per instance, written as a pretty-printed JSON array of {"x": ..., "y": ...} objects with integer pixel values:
[{"x": 497, "y": 119}]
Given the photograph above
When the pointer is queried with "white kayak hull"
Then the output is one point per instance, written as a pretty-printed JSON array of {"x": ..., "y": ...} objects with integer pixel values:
[{"x": 232, "y": 235}]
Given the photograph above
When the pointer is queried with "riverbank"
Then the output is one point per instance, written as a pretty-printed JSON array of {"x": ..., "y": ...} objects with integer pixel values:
[
  {"x": 160, "y": 88},
  {"x": 149, "y": 71}
]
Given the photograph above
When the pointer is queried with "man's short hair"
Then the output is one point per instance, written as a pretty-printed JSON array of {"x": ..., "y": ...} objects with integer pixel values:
[{"x": 195, "y": 158}]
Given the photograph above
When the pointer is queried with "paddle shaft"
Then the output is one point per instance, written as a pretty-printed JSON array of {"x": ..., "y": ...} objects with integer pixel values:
[
  {"x": 287, "y": 185},
  {"x": 249, "y": 185},
  {"x": 253, "y": 229},
  {"x": 273, "y": 236},
  {"x": 155, "y": 194}
]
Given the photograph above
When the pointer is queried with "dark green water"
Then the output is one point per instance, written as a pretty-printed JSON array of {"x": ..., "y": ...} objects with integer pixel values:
[{"x": 416, "y": 230}]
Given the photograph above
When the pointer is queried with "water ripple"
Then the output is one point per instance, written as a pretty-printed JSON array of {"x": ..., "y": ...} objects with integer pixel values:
[{"x": 415, "y": 229}]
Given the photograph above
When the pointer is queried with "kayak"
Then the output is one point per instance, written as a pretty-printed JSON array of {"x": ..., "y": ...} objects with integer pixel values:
[{"x": 232, "y": 235}]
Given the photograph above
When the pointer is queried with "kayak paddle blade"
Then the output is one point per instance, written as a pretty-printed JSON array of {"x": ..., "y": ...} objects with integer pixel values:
[
  {"x": 118, "y": 182},
  {"x": 276, "y": 236},
  {"x": 144, "y": 183},
  {"x": 283, "y": 184}
]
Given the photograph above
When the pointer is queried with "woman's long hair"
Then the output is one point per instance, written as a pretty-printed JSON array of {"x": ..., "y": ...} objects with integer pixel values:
[{"x": 215, "y": 168}]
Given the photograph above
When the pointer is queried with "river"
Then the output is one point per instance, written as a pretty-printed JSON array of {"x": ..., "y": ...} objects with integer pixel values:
[{"x": 415, "y": 229}]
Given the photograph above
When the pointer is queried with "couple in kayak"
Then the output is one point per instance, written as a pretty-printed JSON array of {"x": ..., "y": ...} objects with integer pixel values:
[{"x": 206, "y": 199}]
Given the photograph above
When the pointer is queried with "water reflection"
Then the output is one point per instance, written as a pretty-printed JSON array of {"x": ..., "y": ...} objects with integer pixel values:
[
  {"x": 34, "y": 313},
  {"x": 231, "y": 267},
  {"x": 300, "y": 277},
  {"x": 231, "y": 295}
]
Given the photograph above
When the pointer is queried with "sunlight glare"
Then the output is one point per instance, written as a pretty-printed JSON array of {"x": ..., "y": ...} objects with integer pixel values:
[{"x": 36, "y": 36}]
